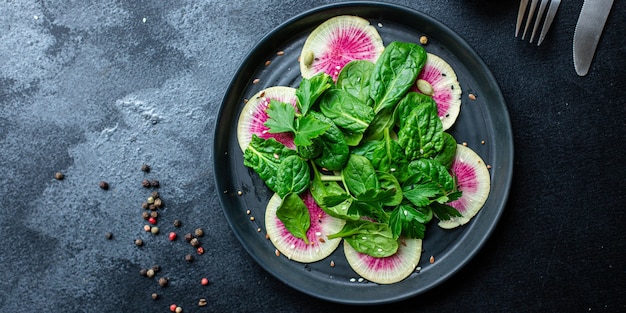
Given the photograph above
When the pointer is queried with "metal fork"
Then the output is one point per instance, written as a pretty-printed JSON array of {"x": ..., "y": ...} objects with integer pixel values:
[{"x": 554, "y": 5}]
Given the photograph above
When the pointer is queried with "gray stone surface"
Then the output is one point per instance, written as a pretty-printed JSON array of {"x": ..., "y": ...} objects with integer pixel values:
[{"x": 95, "y": 89}]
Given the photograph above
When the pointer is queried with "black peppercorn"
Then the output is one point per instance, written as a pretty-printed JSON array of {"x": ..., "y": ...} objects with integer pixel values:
[
  {"x": 145, "y": 168},
  {"x": 104, "y": 185},
  {"x": 154, "y": 183},
  {"x": 145, "y": 183}
]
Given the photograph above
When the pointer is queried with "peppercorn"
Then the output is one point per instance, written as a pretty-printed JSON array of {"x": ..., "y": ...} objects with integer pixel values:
[
  {"x": 154, "y": 230},
  {"x": 145, "y": 183},
  {"x": 104, "y": 185},
  {"x": 150, "y": 200},
  {"x": 108, "y": 235},
  {"x": 200, "y": 250},
  {"x": 152, "y": 220},
  {"x": 154, "y": 183},
  {"x": 188, "y": 257},
  {"x": 143, "y": 272},
  {"x": 204, "y": 281},
  {"x": 156, "y": 268},
  {"x": 179, "y": 310},
  {"x": 199, "y": 232},
  {"x": 138, "y": 242},
  {"x": 150, "y": 273},
  {"x": 145, "y": 168},
  {"x": 163, "y": 281},
  {"x": 202, "y": 302},
  {"x": 172, "y": 236},
  {"x": 177, "y": 223},
  {"x": 188, "y": 237},
  {"x": 59, "y": 176},
  {"x": 145, "y": 205},
  {"x": 145, "y": 215},
  {"x": 173, "y": 307},
  {"x": 155, "y": 194},
  {"x": 158, "y": 202},
  {"x": 155, "y": 296},
  {"x": 194, "y": 242},
  {"x": 154, "y": 214},
  {"x": 152, "y": 207}
]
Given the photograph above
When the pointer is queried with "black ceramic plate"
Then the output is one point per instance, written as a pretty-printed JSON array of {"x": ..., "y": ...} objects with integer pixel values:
[{"x": 483, "y": 124}]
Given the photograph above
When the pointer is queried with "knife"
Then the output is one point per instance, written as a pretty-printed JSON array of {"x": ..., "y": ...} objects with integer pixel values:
[{"x": 589, "y": 27}]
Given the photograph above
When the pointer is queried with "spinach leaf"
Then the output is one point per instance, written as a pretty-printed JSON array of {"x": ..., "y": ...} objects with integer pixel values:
[
  {"x": 310, "y": 89},
  {"x": 385, "y": 154},
  {"x": 331, "y": 197},
  {"x": 264, "y": 156},
  {"x": 293, "y": 175},
  {"x": 429, "y": 182},
  {"x": 282, "y": 117},
  {"x": 448, "y": 150},
  {"x": 335, "y": 150},
  {"x": 294, "y": 214},
  {"x": 421, "y": 131},
  {"x": 389, "y": 182},
  {"x": 359, "y": 175},
  {"x": 346, "y": 111},
  {"x": 395, "y": 71},
  {"x": 355, "y": 79},
  {"x": 371, "y": 238},
  {"x": 382, "y": 120}
]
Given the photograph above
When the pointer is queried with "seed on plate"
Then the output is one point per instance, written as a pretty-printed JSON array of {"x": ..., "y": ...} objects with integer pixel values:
[
  {"x": 145, "y": 183},
  {"x": 177, "y": 223},
  {"x": 204, "y": 281},
  {"x": 154, "y": 183},
  {"x": 145, "y": 215},
  {"x": 202, "y": 302},
  {"x": 332, "y": 263},
  {"x": 155, "y": 194},
  {"x": 104, "y": 185},
  {"x": 277, "y": 252},
  {"x": 188, "y": 237},
  {"x": 268, "y": 62},
  {"x": 465, "y": 144},
  {"x": 281, "y": 52},
  {"x": 145, "y": 205},
  {"x": 156, "y": 268},
  {"x": 252, "y": 218},
  {"x": 59, "y": 176},
  {"x": 482, "y": 142},
  {"x": 256, "y": 81},
  {"x": 150, "y": 273},
  {"x": 258, "y": 229},
  {"x": 262, "y": 94},
  {"x": 472, "y": 96},
  {"x": 423, "y": 40},
  {"x": 143, "y": 272},
  {"x": 248, "y": 212},
  {"x": 322, "y": 240},
  {"x": 239, "y": 192},
  {"x": 432, "y": 259},
  {"x": 488, "y": 166}
]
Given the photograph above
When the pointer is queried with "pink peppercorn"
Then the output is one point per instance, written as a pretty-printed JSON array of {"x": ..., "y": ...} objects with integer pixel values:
[
  {"x": 172, "y": 236},
  {"x": 204, "y": 281},
  {"x": 152, "y": 220},
  {"x": 173, "y": 307}
]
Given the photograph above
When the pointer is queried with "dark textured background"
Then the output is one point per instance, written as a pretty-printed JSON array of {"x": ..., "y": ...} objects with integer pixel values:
[{"x": 97, "y": 88}]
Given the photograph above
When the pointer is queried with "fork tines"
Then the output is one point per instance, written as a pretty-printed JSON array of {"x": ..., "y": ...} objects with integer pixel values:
[{"x": 549, "y": 17}]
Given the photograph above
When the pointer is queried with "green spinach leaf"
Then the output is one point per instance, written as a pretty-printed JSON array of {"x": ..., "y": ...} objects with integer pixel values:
[
  {"x": 293, "y": 175},
  {"x": 264, "y": 156},
  {"x": 371, "y": 238},
  {"x": 294, "y": 214},
  {"x": 310, "y": 89}
]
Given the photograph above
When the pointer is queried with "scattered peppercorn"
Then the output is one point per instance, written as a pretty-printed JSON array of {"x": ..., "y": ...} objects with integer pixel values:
[
  {"x": 188, "y": 257},
  {"x": 156, "y": 268},
  {"x": 145, "y": 168},
  {"x": 154, "y": 230},
  {"x": 145, "y": 183},
  {"x": 152, "y": 220},
  {"x": 204, "y": 281},
  {"x": 199, "y": 232},
  {"x": 145, "y": 205},
  {"x": 154, "y": 183},
  {"x": 172, "y": 236},
  {"x": 155, "y": 296},
  {"x": 202, "y": 302},
  {"x": 145, "y": 215},
  {"x": 150, "y": 273},
  {"x": 143, "y": 272},
  {"x": 108, "y": 235},
  {"x": 177, "y": 223},
  {"x": 200, "y": 250},
  {"x": 150, "y": 200},
  {"x": 163, "y": 282},
  {"x": 154, "y": 214},
  {"x": 104, "y": 185},
  {"x": 59, "y": 176},
  {"x": 138, "y": 242},
  {"x": 423, "y": 40},
  {"x": 155, "y": 194},
  {"x": 147, "y": 228},
  {"x": 158, "y": 202},
  {"x": 194, "y": 242},
  {"x": 188, "y": 237},
  {"x": 173, "y": 307},
  {"x": 178, "y": 310}
]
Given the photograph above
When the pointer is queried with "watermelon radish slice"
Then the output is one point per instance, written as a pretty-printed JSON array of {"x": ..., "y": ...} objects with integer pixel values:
[
  {"x": 253, "y": 116},
  {"x": 439, "y": 81},
  {"x": 473, "y": 180},
  {"x": 338, "y": 41},
  {"x": 296, "y": 249},
  {"x": 388, "y": 270}
]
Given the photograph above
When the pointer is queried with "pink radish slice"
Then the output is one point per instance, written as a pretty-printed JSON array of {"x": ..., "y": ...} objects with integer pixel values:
[
  {"x": 338, "y": 41},
  {"x": 296, "y": 249},
  {"x": 446, "y": 90},
  {"x": 386, "y": 270},
  {"x": 473, "y": 181},
  {"x": 253, "y": 116}
]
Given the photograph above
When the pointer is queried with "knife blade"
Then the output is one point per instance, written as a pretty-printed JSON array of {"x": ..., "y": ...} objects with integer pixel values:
[{"x": 593, "y": 16}]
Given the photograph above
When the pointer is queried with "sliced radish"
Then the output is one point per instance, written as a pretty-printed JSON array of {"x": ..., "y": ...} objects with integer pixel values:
[
  {"x": 253, "y": 116},
  {"x": 338, "y": 41},
  {"x": 473, "y": 181},
  {"x": 388, "y": 270},
  {"x": 439, "y": 81},
  {"x": 296, "y": 249}
]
